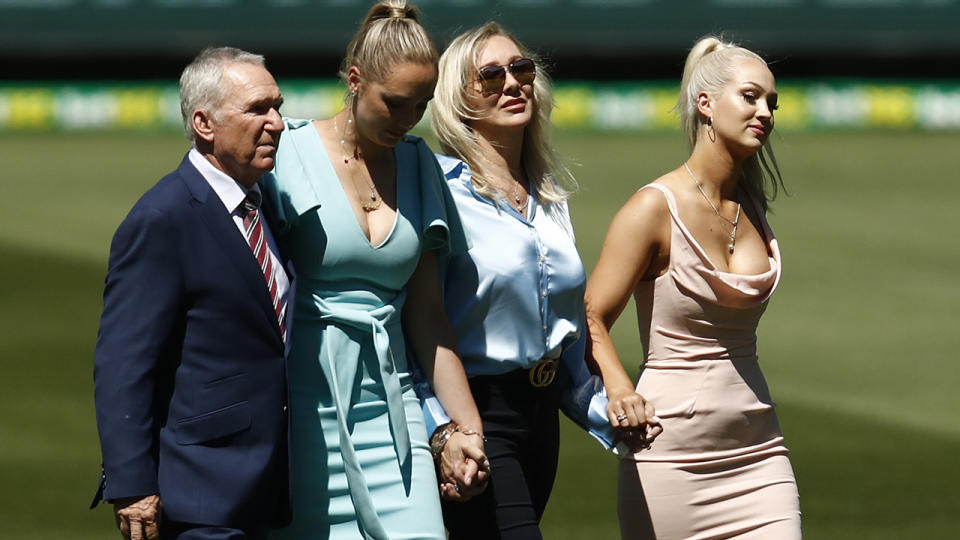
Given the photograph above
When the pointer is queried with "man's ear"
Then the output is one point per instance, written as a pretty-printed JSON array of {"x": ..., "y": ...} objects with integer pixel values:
[{"x": 202, "y": 122}]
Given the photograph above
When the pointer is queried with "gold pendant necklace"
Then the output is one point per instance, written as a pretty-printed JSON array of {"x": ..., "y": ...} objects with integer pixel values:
[{"x": 375, "y": 200}]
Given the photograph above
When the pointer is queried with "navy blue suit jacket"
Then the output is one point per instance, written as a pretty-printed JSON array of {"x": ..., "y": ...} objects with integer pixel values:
[{"x": 189, "y": 369}]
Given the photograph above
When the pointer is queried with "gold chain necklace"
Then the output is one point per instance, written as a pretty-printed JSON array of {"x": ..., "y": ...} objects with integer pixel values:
[
  {"x": 734, "y": 223},
  {"x": 375, "y": 199}
]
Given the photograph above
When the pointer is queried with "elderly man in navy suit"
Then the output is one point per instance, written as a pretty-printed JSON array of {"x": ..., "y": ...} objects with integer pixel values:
[{"x": 190, "y": 374}]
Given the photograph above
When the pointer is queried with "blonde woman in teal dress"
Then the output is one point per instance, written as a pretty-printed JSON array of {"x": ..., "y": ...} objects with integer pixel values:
[{"x": 363, "y": 211}]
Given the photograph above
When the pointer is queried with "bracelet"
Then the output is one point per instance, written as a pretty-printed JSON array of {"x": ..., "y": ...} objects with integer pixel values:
[
  {"x": 440, "y": 437},
  {"x": 438, "y": 441},
  {"x": 472, "y": 432}
]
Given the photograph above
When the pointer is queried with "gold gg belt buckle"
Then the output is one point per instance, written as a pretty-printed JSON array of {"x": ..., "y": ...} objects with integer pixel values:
[{"x": 543, "y": 374}]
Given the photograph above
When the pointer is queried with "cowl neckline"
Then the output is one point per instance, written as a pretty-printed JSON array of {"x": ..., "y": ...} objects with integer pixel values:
[{"x": 694, "y": 272}]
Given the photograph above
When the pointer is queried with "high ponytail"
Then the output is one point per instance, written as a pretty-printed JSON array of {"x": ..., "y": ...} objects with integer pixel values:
[
  {"x": 391, "y": 34},
  {"x": 709, "y": 67}
]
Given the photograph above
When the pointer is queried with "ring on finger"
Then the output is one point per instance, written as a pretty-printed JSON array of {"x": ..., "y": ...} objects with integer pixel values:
[{"x": 621, "y": 417}]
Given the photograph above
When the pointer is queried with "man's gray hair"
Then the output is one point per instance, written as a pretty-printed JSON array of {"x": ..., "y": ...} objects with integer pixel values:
[{"x": 201, "y": 84}]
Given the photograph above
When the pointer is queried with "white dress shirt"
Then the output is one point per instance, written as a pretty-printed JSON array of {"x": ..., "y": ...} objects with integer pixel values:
[{"x": 232, "y": 194}]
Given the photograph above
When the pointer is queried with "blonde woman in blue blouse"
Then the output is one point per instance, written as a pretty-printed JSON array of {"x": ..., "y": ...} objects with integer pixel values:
[{"x": 515, "y": 300}]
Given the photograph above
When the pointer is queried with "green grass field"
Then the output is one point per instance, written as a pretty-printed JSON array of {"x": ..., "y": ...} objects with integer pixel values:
[{"x": 857, "y": 344}]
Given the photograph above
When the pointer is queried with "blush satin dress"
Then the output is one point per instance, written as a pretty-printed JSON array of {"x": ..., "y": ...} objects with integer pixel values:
[{"x": 720, "y": 467}]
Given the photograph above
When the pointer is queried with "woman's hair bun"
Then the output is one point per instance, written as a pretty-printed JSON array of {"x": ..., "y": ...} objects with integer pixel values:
[{"x": 393, "y": 9}]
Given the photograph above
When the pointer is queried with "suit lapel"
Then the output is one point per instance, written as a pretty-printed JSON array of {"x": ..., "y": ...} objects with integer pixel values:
[{"x": 228, "y": 237}]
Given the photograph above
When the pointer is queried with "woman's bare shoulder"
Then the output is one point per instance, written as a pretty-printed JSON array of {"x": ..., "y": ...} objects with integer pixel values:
[{"x": 649, "y": 203}]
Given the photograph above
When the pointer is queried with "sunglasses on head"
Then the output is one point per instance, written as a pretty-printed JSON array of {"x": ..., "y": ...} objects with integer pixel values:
[{"x": 492, "y": 78}]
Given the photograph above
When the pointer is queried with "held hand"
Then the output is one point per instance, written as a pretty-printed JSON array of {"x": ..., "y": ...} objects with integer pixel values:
[
  {"x": 463, "y": 467},
  {"x": 639, "y": 440},
  {"x": 138, "y": 519},
  {"x": 627, "y": 410},
  {"x": 634, "y": 417}
]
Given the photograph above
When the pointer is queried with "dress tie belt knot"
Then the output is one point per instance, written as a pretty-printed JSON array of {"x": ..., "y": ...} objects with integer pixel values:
[{"x": 341, "y": 367}]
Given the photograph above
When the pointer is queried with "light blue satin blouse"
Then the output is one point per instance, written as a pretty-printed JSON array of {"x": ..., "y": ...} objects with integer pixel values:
[{"x": 517, "y": 297}]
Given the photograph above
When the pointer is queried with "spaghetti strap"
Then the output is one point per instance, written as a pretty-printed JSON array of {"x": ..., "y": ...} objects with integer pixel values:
[{"x": 667, "y": 194}]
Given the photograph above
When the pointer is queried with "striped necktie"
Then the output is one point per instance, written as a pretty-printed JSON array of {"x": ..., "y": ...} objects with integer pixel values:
[{"x": 257, "y": 239}]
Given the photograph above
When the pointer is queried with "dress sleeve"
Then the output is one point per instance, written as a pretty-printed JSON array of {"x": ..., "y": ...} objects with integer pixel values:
[
  {"x": 442, "y": 229},
  {"x": 288, "y": 190},
  {"x": 282, "y": 213}
]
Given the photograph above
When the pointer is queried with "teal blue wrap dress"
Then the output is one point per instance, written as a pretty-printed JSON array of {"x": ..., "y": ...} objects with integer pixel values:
[{"x": 360, "y": 460}]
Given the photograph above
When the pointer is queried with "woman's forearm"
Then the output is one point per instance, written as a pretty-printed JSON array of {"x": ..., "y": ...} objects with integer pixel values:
[{"x": 428, "y": 331}]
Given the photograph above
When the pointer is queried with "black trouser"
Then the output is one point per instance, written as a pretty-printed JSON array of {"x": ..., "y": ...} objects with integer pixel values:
[
  {"x": 175, "y": 530},
  {"x": 523, "y": 436}
]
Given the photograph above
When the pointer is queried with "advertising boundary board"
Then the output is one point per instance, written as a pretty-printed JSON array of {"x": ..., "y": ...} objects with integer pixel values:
[{"x": 805, "y": 105}]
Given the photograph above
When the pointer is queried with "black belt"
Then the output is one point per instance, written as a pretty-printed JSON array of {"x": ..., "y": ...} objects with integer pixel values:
[{"x": 543, "y": 374}]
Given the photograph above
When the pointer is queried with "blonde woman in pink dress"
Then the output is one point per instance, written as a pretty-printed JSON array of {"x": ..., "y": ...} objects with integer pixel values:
[{"x": 695, "y": 251}]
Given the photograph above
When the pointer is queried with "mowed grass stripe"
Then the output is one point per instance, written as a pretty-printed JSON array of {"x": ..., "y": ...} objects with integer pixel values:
[
  {"x": 49, "y": 453},
  {"x": 66, "y": 193}
]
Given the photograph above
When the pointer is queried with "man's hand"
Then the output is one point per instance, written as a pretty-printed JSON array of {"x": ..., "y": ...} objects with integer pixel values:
[{"x": 138, "y": 519}]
